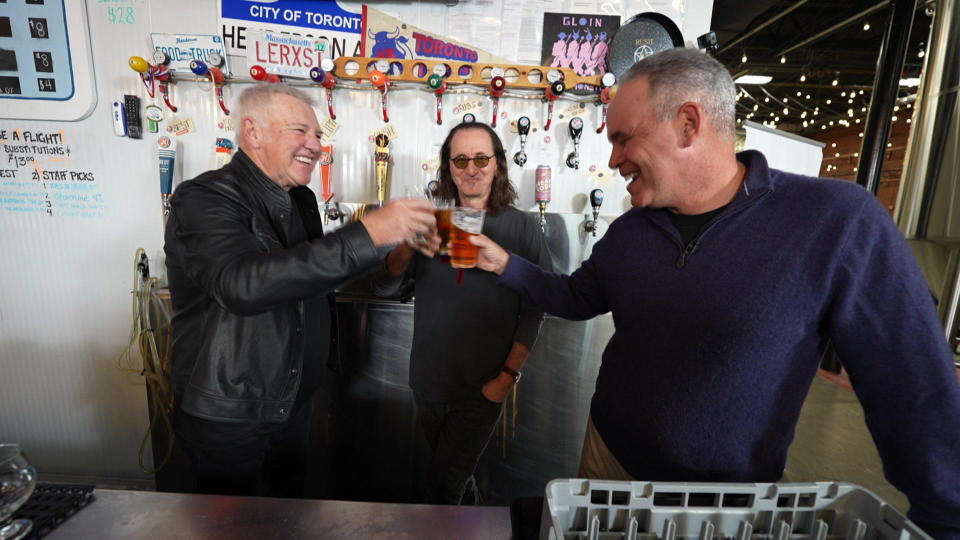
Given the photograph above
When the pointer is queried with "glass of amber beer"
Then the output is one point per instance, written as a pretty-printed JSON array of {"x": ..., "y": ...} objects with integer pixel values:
[
  {"x": 466, "y": 222},
  {"x": 444, "y": 215}
]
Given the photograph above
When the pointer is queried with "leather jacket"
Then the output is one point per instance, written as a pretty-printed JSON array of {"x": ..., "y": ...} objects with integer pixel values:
[{"x": 242, "y": 274}]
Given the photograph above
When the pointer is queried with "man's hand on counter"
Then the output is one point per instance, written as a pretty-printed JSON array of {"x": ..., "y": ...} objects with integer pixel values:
[
  {"x": 400, "y": 220},
  {"x": 492, "y": 257}
]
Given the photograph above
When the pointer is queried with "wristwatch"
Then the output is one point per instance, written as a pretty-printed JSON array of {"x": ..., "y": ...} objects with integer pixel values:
[{"x": 512, "y": 372}]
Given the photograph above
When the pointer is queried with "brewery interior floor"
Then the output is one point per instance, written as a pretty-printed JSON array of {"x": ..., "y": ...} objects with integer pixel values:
[{"x": 832, "y": 443}]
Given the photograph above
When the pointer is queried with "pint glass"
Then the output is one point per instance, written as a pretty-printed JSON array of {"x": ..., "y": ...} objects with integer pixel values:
[
  {"x": 466, "y": 222},
  {"x": 444, "y": 216}
]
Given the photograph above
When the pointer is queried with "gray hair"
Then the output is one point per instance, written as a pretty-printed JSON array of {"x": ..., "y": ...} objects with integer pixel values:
[
  {"x": 252, "y": 101},
  {"x": 679, "y": 75}
]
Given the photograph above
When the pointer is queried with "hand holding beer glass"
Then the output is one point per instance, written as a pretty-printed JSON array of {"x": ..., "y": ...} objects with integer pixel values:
[
  {"x": 427, "y": 244},
  {"x": 466, "y": 222}
]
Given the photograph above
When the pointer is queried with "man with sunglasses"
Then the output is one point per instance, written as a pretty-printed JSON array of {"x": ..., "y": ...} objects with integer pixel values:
[
  {"x": 471, "y": 337},
  {"x": 724, "y": 281}
]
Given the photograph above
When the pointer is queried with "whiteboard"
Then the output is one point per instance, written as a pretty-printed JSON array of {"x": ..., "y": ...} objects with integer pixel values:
[{"x": 783, "y": 150}]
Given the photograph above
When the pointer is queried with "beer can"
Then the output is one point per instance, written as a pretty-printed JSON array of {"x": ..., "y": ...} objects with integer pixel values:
[{"x": 543, "y": 184}]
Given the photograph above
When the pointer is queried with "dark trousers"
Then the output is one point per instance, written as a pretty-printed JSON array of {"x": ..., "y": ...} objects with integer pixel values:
[
  {"x": 457, "y": 433},
  {"x": 268, "y": 459}
]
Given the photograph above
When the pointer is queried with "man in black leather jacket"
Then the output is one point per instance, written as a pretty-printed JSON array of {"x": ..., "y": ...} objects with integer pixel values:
[{"x": 251, "y": 278}]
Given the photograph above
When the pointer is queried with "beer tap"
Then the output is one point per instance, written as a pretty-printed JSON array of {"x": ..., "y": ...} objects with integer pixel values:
[
  {"x": 554, "y": 91},
  {"x": 257, "y": 73},
  {"x": 468, "y": 118},
  {"x": 382, "y": 161},
  {"x": 326, "y": 80},
  {"x": 543, "y": 188},
  {"x": 596, "y": 199},
  {"x": 523, "y": 129},
  {"x": 498, "y": 85},
  {"x": 216, "y": 76},
  {"x": 606, "y": 83},
  {"x": 576, "y": 129},
  {"x": 151, "y": 73},
  {"x": 439, "y": 86},
  {"x": 331, "y": 208},
  {"x": 219, "y": 79},
  {"x": 382, "y": 82},
  {"x": 145, "y": 70},
  {"x": 164, "y": 77}
]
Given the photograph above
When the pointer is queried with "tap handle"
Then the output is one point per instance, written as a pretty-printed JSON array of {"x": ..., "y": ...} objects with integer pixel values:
[
  {"x": 523, "y": 127},
  {"x": 576, "y": 128},
  {"x": 596, "y": 200}
]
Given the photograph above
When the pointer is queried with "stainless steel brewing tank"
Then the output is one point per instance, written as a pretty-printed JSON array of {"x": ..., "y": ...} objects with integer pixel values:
[{"x": 380, "y": 453}]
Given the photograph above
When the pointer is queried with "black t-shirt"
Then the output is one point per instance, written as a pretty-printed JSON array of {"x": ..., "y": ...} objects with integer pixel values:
[
  {"x": 316, "y": 316},
  {"x": 689, "y": 225},
  {"x": 463, "y": 332}
]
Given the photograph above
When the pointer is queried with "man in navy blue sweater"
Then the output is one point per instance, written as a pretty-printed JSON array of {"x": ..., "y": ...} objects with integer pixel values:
[{"x": 724, "y": 281}]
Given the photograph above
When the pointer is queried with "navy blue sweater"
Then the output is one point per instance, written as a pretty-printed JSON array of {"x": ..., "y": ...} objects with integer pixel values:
[{"x": 717, "y": 342}]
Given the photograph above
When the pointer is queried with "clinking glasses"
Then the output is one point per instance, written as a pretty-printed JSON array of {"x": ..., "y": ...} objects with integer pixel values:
[{"x": 461, "y": 162}]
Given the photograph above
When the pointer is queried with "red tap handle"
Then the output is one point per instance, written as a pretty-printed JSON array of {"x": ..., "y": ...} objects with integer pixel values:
[
  {"x": 326, "y": 160},
  {"x": 223, "y": 106},
  {"x": 383, "y": 83},
  {"x": 439, "y": 92},
  {"x": 546, "y": 127},
  {"x": 603, "y": 122},
  {"x": 165, "y": 90},
  {"x": 330, "y": 104},
  {"x": 498, "y": 86},
  {"x": 217, "y": 76},
  {"x": 383, "y": 103},
  {"x": 605, "y": 96}
]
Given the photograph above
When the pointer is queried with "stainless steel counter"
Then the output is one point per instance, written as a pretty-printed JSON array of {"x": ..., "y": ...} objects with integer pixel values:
[{"x": 145, "y": 514}]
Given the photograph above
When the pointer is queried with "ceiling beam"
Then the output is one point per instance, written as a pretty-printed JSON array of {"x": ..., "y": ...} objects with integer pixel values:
[
  {"x": 762, "y": 25},
  {"x": 839, "y": 26},
  {"x": 796, "y": 68}
]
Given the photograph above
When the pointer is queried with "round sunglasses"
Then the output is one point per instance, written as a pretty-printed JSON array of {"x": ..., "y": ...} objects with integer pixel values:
[{"x": 461, "y": 162}]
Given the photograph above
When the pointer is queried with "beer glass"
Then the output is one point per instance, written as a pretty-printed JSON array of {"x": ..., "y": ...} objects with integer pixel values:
[
  {"x": 17, "y": 480},
  {"x": 444, "y": 215},
  {"x": 466, "y": 222}
]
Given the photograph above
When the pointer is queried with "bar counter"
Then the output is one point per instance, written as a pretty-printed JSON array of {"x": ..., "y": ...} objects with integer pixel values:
[{"x": 146, "y": 514}]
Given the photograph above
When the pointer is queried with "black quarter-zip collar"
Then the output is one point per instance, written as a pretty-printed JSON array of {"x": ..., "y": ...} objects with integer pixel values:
[{"x": 756, "y": 186}]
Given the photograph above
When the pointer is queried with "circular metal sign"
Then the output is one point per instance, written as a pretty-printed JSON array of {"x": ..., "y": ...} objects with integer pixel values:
[{"x": 641, "y": 36}]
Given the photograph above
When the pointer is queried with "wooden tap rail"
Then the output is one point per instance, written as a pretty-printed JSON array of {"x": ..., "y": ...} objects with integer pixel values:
[{"x": 476, "y": 73}]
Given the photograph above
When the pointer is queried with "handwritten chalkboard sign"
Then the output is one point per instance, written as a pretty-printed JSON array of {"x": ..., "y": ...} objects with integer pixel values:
[{"x": 38, "y": 175}]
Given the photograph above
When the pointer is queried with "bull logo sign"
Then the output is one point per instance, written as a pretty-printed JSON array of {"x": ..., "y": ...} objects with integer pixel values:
[{"x": 389, "y": 44}]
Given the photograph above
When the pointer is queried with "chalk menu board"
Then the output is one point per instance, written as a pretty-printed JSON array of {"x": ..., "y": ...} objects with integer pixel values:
[{"x": 41, "y": 42}]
